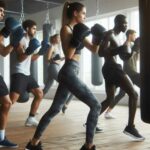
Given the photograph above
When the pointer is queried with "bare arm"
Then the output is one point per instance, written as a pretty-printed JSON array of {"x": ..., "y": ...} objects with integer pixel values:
[
  {"x": 109, "y": 45},
  {"x": 50, "y": 53},
  {"x": 4, "y": 51},
  {"x": 20, "y": 53},
  {"x": 66, "y": 36},
  {"x": 35, "y": 57},
  {"x": 92, "y": 47}
]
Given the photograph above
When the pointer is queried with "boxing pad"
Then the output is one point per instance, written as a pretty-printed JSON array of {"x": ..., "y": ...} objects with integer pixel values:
[
  {"x": 96, "y": 74},
  {"x": 23, "y": 97},
  {"x": 125, "y": 52},
  {"x": 33, "y": 45},
  {"x": 44, "y": 47},
  {"x": 80, "y": 31},
  {"x": 98, "y": 33}
]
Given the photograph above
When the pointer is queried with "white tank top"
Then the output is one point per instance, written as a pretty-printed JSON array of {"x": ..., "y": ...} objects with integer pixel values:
[{"x": 24, "y": 66}]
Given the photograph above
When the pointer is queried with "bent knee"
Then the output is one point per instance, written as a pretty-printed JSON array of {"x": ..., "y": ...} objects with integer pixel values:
[
  {"x": 134, "y": 95},
  {"x": 6, "y": 104},
  {"x": 39, "y": 94},
  {"x": 96, "y": 106}
]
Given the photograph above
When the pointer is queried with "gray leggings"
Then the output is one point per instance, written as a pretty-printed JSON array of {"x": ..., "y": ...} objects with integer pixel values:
[
  {"x": 69, "y": 81},
  {"x": 135, "y": 78},
  {"x": 53, "y": 70}
]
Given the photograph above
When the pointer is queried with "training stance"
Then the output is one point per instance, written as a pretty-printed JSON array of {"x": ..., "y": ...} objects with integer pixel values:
[
  {"x": 73, "y": 38},
  {"x": 115, "y": 76},
  {"x": 11, "y": 27},
  {"x": 129, "y": 67},
  {"x": 21, "y": 79}
]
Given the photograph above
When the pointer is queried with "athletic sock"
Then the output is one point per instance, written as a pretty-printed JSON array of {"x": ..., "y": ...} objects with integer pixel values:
[{"x": 2, "y": 135}]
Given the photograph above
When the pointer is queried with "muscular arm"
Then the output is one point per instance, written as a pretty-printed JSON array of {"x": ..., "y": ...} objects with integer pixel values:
[
  {"x": 20, "y": 53},
  {"x": 92, "y": 47},
  {"x": 4, "y": 51},
  {"x": 35, "y": 57},
  {"x": 50, "y": 53},
  {"x": 109, "y": 46}
]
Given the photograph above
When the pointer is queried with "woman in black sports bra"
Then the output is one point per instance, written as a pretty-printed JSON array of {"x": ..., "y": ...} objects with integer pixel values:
[{"x": 73, "y": 38}]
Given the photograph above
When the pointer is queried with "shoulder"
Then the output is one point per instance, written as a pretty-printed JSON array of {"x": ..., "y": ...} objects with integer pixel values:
[
  {"x": 65, "y": 33},
  {"x": 65, "y": 29}
]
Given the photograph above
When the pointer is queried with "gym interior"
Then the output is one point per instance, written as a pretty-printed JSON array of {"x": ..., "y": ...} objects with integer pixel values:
[{"x": 67, "y": 131}]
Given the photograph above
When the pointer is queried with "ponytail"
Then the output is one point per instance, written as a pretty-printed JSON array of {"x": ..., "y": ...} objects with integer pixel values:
[
  {"x": 64, "y": 14},
  {"x": 68, "y": 11}
]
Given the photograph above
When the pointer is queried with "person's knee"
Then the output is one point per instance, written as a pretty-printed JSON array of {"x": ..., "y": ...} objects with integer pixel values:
[
  {"x": 96, "y": 106},
  {"x": 134, "y": 95},
  {"x": 39, "y": 94},
  {"x": 55, "y": 110},
  {"x": 6, "y": 105}
]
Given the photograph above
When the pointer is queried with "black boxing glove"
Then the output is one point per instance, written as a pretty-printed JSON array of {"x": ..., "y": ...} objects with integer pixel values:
[
  {"x": 98, "y": 33},
  {"x": 80, "y": 31},
  {"x": 125, "y": 52},
  {"x": 136, "y": 46}
]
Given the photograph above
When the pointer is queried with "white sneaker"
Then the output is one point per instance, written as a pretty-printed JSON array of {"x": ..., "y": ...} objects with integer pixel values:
[
  {"x": 108, "y": 115},
  {"x": 31, "y": 121}
]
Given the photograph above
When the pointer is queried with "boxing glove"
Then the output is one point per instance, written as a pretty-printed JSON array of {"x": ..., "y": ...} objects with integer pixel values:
[
  {"x": 98, "y": 33},
  {"x": 125, "y": 52},
  {"x": 33, "y": 45},
  {"x": 44, "y": 47},
  {"x": 136, "y": 46},
  {"x": 17, "y": 35},
  {"x": 57, "y": 57},
  {"x": 80, "y": 31},
  {"x": 10, "y": 25}
]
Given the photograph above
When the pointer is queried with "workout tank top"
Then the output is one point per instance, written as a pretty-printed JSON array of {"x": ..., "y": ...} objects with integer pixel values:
[
  {"x": 56, "y": 52},
  {"x": 78, "y": 49},
  {"x": 24, "y": 66}
]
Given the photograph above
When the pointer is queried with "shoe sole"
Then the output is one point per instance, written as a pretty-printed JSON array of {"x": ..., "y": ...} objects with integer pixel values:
[
  {"x": 134, "y": 137},
  {"x": 99, "y": 131},
  {"x": 8, "y": 146},
  {"x": 30, "y": 125}
]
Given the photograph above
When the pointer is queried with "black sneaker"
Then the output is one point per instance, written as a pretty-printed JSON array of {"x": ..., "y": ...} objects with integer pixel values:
[
  {"x": 7, "y": 143},
  {"x": 64, "y": 109},
  {"x": 34, "y": 147},
  {"x": 85, "y": 148},
  {"x": 97, "y": 130},
  {"x": 133, "y": 132}
]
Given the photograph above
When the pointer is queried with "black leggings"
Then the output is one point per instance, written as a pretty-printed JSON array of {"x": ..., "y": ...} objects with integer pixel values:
[{"x": 69, "y": 81}]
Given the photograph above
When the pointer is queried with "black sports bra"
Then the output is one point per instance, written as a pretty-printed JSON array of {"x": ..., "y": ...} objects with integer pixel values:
[{"x": 78, "y": 49}]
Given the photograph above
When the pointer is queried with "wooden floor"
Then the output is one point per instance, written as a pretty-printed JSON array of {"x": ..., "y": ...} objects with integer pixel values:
[{"x": 66, "y": 132}]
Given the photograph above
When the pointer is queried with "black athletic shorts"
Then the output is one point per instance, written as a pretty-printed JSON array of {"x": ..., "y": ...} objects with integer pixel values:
[
  {"x": 21, "y": 83},
  {"x": 112, "y": 73},
  {"x": 3, "y": 87}
]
